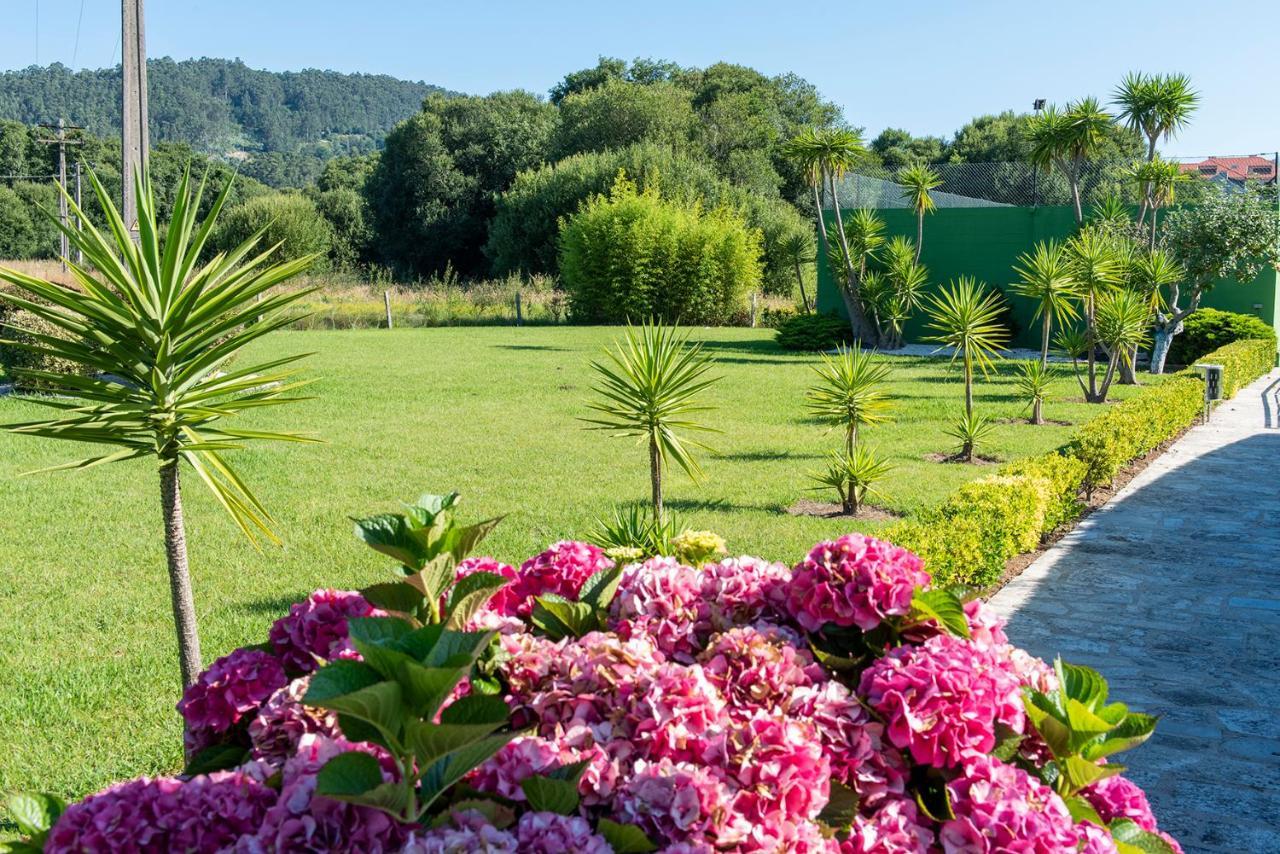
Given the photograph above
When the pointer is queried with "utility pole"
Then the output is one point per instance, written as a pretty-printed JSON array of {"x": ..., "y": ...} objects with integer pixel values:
[
  {"x": 79, "y": 221},
  {"x": 135, "y": 146},
  {"x": 62, "y": 142}
]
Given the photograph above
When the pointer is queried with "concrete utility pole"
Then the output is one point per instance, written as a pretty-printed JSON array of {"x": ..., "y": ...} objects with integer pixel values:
[
  {"x": 134, "y": 141},
  {"x": 62, "y": 142}
]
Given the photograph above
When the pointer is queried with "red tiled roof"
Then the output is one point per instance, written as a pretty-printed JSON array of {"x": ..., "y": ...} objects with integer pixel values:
[{"x": 1236, "y": 168}]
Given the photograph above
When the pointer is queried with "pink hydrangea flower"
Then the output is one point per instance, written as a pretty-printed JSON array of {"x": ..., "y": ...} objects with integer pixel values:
[
  {"x": 895, "y": 828},
  {"x": 469, "y": 833},
  {"x": 678, "y": 716},
  {"x": 519, "y": 759},
  {"x": 230, "y": 690},
  {"x": 663, "y": 599},
  {"x": 859, "y": 755},
  {"x": 853, "y": 581},
  {"x": 204, "y": 814},
  {"x": 999, "y": 807},
  {"x": 1117, "y": 797},
  {"x": 793, "y": 837},
  {"x": 560, "y": 569},
  {"x": 740, "y": 591},
  {"x": 759, "y": 666},
  {"x": 301, "y": 820},
  {"x": 942, "y": 699},
  {"x": 1094, "y": 840},
  {"x": 316, "y": 627},
  {"x": 283, "y": 720},
  {"x": 779, "y": 769},
  {"x": 675, "y": 801},
  {"x": 548, "y": 833},
  {"x": 506, "y": 600}
]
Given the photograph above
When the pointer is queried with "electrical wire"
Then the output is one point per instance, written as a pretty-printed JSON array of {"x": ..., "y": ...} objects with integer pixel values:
[{"x": 76, "y": 51}]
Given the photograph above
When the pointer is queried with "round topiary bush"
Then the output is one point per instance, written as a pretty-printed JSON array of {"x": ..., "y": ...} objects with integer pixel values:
[
  {"x": 814, "y": 332},
  {"x": 1207, "y": 329},
  {"x": 290, "y": 219},
  {"x": 634, "y": 256},
  {"x": 838, "y": 706}
]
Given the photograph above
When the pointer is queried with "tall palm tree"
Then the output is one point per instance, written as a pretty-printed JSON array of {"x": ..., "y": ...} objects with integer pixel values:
[
  {"x": 966, "y": 316},
  {"x": 154, "y": 328},
  {"x": 1157, "y": 106},
  {"x": 1098, "y": 267},
  {"x": 1045, "y": 275},
  {"x": 1067, "y": 140},
  {"x": 649, "y": 388},
  {"x": 826, "y": 155},
  {"x": 920, "y": 181}
]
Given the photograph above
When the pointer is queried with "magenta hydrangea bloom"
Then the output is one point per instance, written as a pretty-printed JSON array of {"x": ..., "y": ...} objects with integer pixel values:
[
  {"x": 469, "y": 833},
  {"x": 548, "y": 833},
  {"x": 739, "y": 591},
  {"x": 1095, "y": 840},
  {"x": 663, "y": 599},
  {"x": 793, "y": 837},
  {"x": 678, "y": 801},
  {"x": 205, "y": 814},
  {"x": 779, "y": 769},
  {"x": 895, "y": 828},
  {"x": 759, "y": 666},
  {"x": 519, "y": 759},
  {"x": 1117, "y": 797},
  {"x": 560, "y": 569},
  {"x": 678, "y": 717},
  {"x": 232, "y": 688},
  {"x": 853, "y": 581},
  {"x": 999, "y": 807},
  {"x": 316, "y": 627},
  {"x": 301, "y": 820},
  {"x": 503, "y": 602},
  {"x": 941, "y": 700},
  {"x": 283, "y": 720}
]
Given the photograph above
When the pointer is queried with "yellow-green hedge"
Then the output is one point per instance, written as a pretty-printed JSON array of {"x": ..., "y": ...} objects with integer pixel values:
[{"x": 973, "y": 534}]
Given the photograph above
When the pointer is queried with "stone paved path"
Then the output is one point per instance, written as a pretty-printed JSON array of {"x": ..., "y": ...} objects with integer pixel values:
[{"x": 1172, "y": 590}]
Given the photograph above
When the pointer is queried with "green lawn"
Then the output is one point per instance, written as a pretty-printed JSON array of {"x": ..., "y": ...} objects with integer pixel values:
[{"x": 88, "y": 676}]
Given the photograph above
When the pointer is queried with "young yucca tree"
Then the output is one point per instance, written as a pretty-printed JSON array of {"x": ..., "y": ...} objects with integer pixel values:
[
  {"x": 650, "y": 387},
  {"x": 1067, "y": 139},
  {"x": 1045, "y": 275},
  {"x": 1099, "y": 266},
  {"x": 1033, "y": 382},
  {"x": 797, "y": 249},
  {"x": 1158, "y": 106},
  {"x": 966, "y": 317},
  {"x": 1158, "y": 179},
  {"x": 853, "y": 476},
  {"x": 920, "y": 181},
  {"x": 850, "y": 392},
  {"x": 1123, "y": 324},
  {"x": 153, "y": 328},
  {"x": 971, "y": 432}
]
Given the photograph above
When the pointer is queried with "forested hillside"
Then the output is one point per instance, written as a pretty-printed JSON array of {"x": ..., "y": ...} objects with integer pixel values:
[{"x": 223, "y": 107}]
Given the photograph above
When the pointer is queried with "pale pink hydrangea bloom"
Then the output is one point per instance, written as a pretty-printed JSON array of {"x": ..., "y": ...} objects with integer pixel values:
[
  {"x": 853, "y": 581},
  {"x": 793, "y": 837},
  {"x": 548, "y": 833},
  {"x": 1095, "y": 840},
  {"x": 739, "y": 591},
  {"x": 676, "y": 801},
  {"x": 519, "y": 759},
  {"x": 679, "y": 715},
  {"x": 759, "y": 666},
  {"x": 283, "y": 720},
  {"x": 999, "y": 807},
  {"x": 942, "y": 699},
  {"x": 316, "y": 628},
  {"x": 663, "y": 599},
  {"x": 895, "y": 828},
  {"x": 779, "y": 769}
]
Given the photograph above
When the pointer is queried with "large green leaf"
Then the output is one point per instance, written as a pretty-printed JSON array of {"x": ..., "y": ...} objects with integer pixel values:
[
  {"x": 1081, "y": 772},
  {"x": 430, "y": 742},
  {"x": 470, "y": 594},
  {"x": 443, "y": 773},
  {"x": 351, "y": 778},
  {"x": 598, "y": 590},
  {"x": 394, "y": 596},
  {"x": 338, "y": 678},
  {"x": 426, "y": 688},
  {"x": 388, "y": 534},
  {"x": 1083, "y": 684},
  {"x": 625, "y": 838},
  {"x": 380, "y": 704},
  {"x": 217, "y": 757},
  {"x": 943, "y": 607},
  {"x": 547, "y": 794},
  {"x": 1132, "y": 839},
  {"x": 1128, "y": 734},
  {"x": 458, "y": 648},
  {"x": 35, "y": 812},
  {"x": 559, "y": 618},
  {"x": 841, "y": 808}
]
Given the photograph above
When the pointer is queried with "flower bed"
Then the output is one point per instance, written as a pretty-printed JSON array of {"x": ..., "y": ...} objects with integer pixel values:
[{"x": 839, "y": 705}]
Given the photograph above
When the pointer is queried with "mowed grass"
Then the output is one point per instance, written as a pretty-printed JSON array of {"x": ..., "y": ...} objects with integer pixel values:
[{"x": 88, "y": 676}]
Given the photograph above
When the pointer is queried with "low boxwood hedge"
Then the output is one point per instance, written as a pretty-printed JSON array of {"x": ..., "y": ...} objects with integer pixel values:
[{"x": 973, "y": 534}]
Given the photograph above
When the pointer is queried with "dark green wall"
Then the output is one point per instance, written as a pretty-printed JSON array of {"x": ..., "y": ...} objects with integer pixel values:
[{"x": 986, "y": 243}]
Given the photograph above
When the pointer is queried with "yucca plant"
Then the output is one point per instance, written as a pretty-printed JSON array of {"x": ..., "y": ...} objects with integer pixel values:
[
  {"x": 1045, "y": 276},
  {"x": 636, "y": 534},
  {"x": 1099, "y": 265},
  {"x": 971, "y": 432},
  {"x": 1033, "y": 381},
  {"x": 650, "y": 387},
  {"x": 966, "y": 317},
  {"x": 853, "y": 476},
  {"x": 798, "y": 250},
  {"x": 1123, "y": 325},
  {"x": 153, "y": 328},
  {"x": 920, "y": 181},
  {"x": 1067, "y": 139},
  {"x": 850, "y": 392}
]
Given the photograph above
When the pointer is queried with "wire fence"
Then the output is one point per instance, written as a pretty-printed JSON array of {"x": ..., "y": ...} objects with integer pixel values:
[{"x": 1020, "y": 183}]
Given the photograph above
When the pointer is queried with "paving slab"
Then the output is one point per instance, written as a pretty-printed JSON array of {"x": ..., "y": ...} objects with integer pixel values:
[{"x": 1172, "y": 590}]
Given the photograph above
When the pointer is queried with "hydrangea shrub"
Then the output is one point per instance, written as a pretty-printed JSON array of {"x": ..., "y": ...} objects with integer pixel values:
[{"x": 842, "y": 705}]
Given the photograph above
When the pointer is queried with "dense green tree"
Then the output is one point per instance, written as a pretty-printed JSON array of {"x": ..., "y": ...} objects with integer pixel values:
[
  {"x": 897, "y": 149},
  {"x": 992, "y": 139},
  {"x": 18, "y": 235},
  {"x": 618, "y": 113},
  {"x": 289, "y": 219}
]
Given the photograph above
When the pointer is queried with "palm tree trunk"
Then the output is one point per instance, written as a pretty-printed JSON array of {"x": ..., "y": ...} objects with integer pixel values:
[
  {"x": 1037, "y": 411},
  {"x": 1044, "y": 341},
  {"x": 655, "y": 478},
  {"x": 804, "y": 298},
  {"x": 968, "y": 385},
  {"x": 919, "y": 233},
  {"x": 175, "y": 542}
]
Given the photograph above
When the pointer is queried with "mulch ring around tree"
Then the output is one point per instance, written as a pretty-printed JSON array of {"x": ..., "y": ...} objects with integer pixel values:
[
  {"x": 978, "y": 459},
  {"x": 828, "y": 510},
  {"x": 1027, "y": 421}
]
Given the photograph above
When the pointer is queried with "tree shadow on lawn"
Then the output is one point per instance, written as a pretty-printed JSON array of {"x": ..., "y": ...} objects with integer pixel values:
[
  {"x": 548, "y": 348},
  {"x": 723, "y": 505},
  {"x": 276, "y": 606},
  {"x": 765, "y": 456}
]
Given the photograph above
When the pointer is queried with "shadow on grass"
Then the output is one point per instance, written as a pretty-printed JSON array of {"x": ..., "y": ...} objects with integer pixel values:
[
  {"x": 764, "y": 456},
  {"x": 719, "y": 505},
  {"x": 545, "y": 347},
  {"x": 276, "y": 606}
]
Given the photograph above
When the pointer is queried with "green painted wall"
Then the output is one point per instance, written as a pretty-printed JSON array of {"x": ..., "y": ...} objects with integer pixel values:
[{"x": 986, "y": 242}]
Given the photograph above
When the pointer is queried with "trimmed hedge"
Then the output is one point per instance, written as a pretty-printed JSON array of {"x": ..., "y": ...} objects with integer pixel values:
[
  {"x": 981, "y": 526},
  {"x": 814, "y": 332},
  {"x": 1207, "y": 329}
]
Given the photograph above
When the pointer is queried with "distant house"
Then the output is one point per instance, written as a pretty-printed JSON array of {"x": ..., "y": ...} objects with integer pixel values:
[{"x": 1234, "y": 170}]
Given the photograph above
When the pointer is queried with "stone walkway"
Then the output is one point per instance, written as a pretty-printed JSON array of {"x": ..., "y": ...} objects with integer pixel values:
[{"x": 1172, "y": 590}]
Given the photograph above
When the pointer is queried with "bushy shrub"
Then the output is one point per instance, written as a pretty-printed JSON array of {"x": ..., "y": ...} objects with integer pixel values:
[
  {"x": 1243, "y": 362},
  {"x": 1207, "y": 329},
  {"x": 1065, "y": 475},
  {"x": 523, "y": 231},
  {"x": 19, "y": 235},
  {"x": 737, "y": 706},
  {"x": 290, "y": 219},
  {"x": 814, "y": 332},
  {"x": 633, "y": 255},
  {"x": 17, "y": 325}
]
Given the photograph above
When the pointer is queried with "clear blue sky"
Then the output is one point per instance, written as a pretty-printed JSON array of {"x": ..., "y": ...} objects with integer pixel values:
[{"x": 927, "y": 66}]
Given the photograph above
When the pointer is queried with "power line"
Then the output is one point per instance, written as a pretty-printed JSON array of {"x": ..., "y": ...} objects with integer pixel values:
[
  {"x": 37, "y": 32},
  {"x": 76, "y": 51}
]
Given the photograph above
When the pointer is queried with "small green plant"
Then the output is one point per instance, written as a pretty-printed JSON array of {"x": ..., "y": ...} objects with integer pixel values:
[
  {"x": 966, "y": 316},
  {"x": 813, "y": 332},
  {"x": 1033, "y": 381},
  {"x": 853, "y": 476},
  {"x": 635, "y": 534},
  {"x": 971, "y": 431},
  {"x": 650, "y": 388},
  {"x": 850, "y": 392}
]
